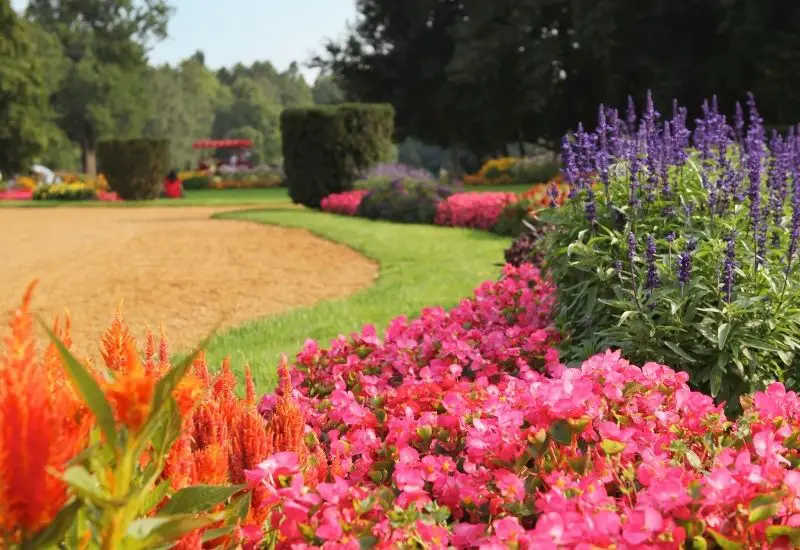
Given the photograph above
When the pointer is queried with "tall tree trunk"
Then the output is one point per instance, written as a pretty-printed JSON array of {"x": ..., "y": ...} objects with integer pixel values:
[
  {"x": 457, "y": 171},
  {"x": 88, "y": 149},
  {"x": 89, "y": 159}
]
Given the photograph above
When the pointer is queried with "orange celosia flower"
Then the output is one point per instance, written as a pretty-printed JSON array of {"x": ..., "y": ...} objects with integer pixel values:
[
  {"x": 116, "y": 341},
  {"x": 286, "y": 430},
  {"x": 187, "y": 393},
  {"x": 42, "y": 426},
  {"x": 249, "y": 387},
  {"x": 131, "y": 392},
  {"x": 212, "y": 465}
]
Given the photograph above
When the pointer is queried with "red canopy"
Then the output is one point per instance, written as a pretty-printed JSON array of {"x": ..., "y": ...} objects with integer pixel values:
[{"x": 222, "y": 144}]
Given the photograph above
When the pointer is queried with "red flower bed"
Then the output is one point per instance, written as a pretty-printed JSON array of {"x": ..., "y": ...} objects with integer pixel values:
[
  {"x": 343, "y": 203},
  {"x": 474, "y": 210},
  {"x": 16, "y": 195}
]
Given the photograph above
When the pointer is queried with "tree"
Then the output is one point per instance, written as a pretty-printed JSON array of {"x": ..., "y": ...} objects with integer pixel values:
[
  {"x": 24, "y": 110},
  {"x": 254, "y": 105},
  {"x": 105, "y": 44},
  {"x": 326, "y": 91},
  {"x": 398, "y": 52}
]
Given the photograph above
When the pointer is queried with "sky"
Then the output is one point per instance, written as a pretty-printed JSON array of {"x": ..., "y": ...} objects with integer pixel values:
[{"x": 231, "y": 31}]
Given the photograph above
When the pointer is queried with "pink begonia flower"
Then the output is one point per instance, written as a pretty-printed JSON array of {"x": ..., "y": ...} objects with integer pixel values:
[
  {"x": 330, "y": 528},
  {"x": 511, "y": 486},
  {"x": 466, "y": 535},
  {"x": 333, "y": 492}
]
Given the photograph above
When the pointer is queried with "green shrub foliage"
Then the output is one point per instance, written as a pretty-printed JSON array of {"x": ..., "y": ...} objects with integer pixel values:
[
  {"x": 326, "y": 148},
  {"x": 136, "y": 167},
  {"x": 405, "y": 201}
]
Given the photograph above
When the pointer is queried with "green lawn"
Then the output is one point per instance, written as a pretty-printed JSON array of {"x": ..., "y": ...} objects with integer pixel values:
[
  {"x": 200, "y": 197},
  {"x": 419, "y": 266},
  {"x": 221, "y": 197}
]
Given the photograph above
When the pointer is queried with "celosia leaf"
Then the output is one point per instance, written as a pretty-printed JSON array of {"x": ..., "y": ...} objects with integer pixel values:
[
  {"x": 777, "y": 531},
  {"x": 155, "y": 531},
  {"x": 55, "y": 531},
  {"x": 162, "y": 429},
  {"x": 724, "y": 542},
  {"x": 153, "y": 498},
  {"x": 611, "y": 447},
  {"x": 239, "y": 507},
  {"x": 199, "y": 498},
  {"x": 87, "y": 486},
  {"x": 87, "y": 387},
  {"x": 213, "y": 534}
]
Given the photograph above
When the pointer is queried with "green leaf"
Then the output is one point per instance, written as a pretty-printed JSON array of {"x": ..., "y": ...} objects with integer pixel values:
[
  {"x": 678, "y": 351},
  {"x": 722, "y": 334},
  {"x": 716, "y": 380},
  {"x": 693, "y": 459},
  {"x": 199, "y": 498},
  {"x": 560, "y": 432},
  {"x": 624, "y": 317},
  {"x": 759, "y": 344},
  {"x": 87, "y": 487},
  {"x": 212, "y": 534},
  {"x": 762, "y": 507},
  {"x": 164, "y": 428},
  {"x": 88, "y": 388},
  {"x": 699, "y": 543},
  {"x": 776, "y": 531},
  {"x": 166, "y": 529},
  {"x": 152, "y": 498},
  {"x": 724, "y": 542},
  {"x": 366, "y": 542},
  {"x": 611, "y": 447},
  {"x": 58, "y": 527},
  {"x": 238, "y": 509}
]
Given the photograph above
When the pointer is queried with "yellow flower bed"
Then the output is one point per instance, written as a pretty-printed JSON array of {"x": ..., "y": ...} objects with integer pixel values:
[
  {"x": 29, "y": 184},
  {"x": 188, "y": 174},
  {"x": 493, "y": 172},
  {"x": 98, "y": 182}
]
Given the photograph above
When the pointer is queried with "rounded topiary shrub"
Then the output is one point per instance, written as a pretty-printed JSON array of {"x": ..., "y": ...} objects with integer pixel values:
[
  {"x": 326, "y": 148},
  {"x": 134, "y": 167},
  {"x": 405, "y": 201}
]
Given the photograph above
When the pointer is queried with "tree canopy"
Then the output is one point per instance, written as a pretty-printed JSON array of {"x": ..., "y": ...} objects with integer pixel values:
[{"x": 487, "y": 74}]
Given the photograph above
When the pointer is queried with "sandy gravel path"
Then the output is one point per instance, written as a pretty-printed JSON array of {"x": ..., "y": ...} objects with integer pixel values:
[{"x": 170, "y": 265}]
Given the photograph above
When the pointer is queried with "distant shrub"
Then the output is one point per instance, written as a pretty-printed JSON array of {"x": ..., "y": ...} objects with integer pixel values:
[
  {"x": 404, "y": 201},
  {"x": 134, "y": 168},
  {"x": 325, "y": 148},
  {"x": 197, "y": 182},
  {"x": 535, "y": 170}
]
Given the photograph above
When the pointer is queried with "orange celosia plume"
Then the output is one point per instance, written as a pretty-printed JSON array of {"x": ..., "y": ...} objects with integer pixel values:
[{"x": 42, "y": 426}]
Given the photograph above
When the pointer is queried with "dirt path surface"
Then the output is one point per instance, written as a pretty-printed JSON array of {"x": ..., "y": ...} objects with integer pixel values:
[{"x": 174, "y": 266}]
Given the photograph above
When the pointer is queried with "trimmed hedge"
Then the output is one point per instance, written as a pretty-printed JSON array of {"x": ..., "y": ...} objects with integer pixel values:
[
  {"x": 135, "y": 167},
  {"x": 326, "y": 148}
]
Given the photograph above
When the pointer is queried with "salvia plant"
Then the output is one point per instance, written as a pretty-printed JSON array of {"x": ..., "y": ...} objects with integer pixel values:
[{"x": 680, "y": 245}]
